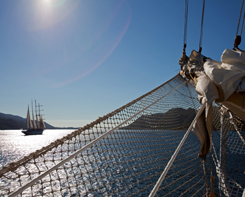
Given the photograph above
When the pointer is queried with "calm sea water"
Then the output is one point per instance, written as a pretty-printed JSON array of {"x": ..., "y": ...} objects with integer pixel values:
[
  {"x": 109, "y": 166},
  {"x": 14, "y": 145}
]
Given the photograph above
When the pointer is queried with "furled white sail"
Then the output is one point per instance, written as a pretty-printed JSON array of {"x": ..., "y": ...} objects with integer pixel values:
[
  {"x": 33, "y": 120},
  {"x": 42, "y": 125},
  {"x": 28, "y": 120}
]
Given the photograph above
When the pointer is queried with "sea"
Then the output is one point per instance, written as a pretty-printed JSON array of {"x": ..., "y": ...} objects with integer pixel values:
[{"x": 14, "y": 145}]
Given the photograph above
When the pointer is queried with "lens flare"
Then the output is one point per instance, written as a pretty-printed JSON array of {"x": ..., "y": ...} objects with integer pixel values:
[{"x": 54, "y": 3}]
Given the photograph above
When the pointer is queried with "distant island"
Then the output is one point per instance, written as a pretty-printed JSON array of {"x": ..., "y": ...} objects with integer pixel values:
[
  {"x": 173, "y": 119},
  {"x": 8, "y": 122}
]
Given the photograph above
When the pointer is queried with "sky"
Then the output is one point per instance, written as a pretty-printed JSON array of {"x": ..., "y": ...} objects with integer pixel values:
[{"x": 82, "y": 59}]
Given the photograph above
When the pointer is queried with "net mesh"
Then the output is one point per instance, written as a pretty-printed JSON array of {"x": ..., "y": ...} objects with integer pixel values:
[
  {"x": 125, "y": 152},
  {"x": 229, "y": 153}
]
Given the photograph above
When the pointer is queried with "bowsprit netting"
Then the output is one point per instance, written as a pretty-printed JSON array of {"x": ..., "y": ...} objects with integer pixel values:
[
  {"x": 125, "y": 152},
  {"x": 229, "y": 152}
]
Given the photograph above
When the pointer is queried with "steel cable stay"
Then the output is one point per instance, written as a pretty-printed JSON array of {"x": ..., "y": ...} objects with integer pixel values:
[
  {"x": 184, "y": 58},
  {"x": 185, "y": 24},
  {"x": 242, "y": 24},
  {"x": 201, "y": 31}
]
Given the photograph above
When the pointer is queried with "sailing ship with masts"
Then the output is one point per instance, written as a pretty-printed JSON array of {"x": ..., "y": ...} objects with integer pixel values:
[{"x": 35, "y": 125}]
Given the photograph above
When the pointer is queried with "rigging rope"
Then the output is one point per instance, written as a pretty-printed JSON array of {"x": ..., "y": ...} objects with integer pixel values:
[
  {"x": 239, "y": 18},
  {"x": 184, "y": 59},
  {"x": 238, "y": 37},
  {"x": 185, "y": 23},
  {"x": 201, "y": 32},
  {"x": 242, "y": 24},
  {"x": 205, "y": 176}
]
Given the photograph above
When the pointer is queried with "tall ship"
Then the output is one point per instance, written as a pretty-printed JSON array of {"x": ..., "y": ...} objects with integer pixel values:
[{"x": 35, "y": 124}]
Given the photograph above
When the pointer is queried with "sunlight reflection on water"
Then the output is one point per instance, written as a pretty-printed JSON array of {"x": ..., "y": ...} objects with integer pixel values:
[{"x": 14, "y": 145}]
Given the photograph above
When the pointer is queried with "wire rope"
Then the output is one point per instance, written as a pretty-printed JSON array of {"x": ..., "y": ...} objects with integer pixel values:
[
  {"x": 185, "y": 22},
  {"x": 242, "y": 24},
  {"x": 239, "y": 18},
  {"x": 201, "y": 32},
  {"x": 237, "y": 40}
]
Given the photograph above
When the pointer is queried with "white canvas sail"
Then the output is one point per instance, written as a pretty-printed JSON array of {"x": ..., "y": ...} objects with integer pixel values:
[
  {"x": 28, "y": 120},
  {"x": 42, "y": 125},
  {"x": 35, "y": 124},
  {"x": 33, "y": 120}
]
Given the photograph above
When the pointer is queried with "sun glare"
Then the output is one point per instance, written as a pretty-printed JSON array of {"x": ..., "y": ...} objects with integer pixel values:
[
  {"x": 47, "y": 2},
  {"x": 54, "y": 3}
]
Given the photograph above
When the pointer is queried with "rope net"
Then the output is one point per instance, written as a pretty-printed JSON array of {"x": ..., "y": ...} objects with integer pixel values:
[
  {"x": 229, "y": 152},
  {"x": 125, "y": 152}
]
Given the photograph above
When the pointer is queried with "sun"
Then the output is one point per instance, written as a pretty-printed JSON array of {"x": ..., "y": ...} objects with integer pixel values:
[
  {"x": 53, "y": 3},
  {"x": 47, "y": 2}
]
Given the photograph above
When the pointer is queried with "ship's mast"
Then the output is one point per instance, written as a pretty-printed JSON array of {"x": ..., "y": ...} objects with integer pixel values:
[
  {"x": 41, "y": 122},
  {"x": 36, "y": 115},
  {"x": 33, "y": 117},
  {"x": 28, "y": 119},
  {"x": 39, "y": 109}
]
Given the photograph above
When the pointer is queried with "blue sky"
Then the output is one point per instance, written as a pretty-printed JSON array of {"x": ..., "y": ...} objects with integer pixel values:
[{"x": 82, "y": 59}]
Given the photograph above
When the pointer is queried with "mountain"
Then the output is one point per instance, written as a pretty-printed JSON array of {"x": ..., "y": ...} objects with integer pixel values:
[
  {"x": 8, "y": 121},
  {"x": 173, "y": 119}
]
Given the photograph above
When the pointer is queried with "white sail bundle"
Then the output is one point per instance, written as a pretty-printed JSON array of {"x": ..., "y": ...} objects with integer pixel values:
[
  {"x": 42, "y": 125},
  {"x": 28, "y": 120},
  {"x": 34, "y": 122}
]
